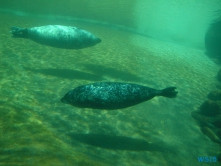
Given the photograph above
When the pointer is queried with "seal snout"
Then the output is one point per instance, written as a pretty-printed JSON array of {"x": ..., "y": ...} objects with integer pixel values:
[
  {"x": 98, "y": 40},
  {"x": 63, "y": 100}
]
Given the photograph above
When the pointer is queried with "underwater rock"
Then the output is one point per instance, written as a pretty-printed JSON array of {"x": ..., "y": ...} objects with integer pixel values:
[
  {"x": 217, "y": 85},
  {"x": 202, "y": 121},
  {"x": 213, "y": 40},
  {"x": 210, "y": 134},
  {"x": 219, "y": 157},
  {"x": 217, "y": 123},
  {"x": 57, "y": 36},
  {"x": 219, "y": 134},
  {"x": 215, "y": 95},
  {"x": 210, "y": 108},
  {"x": 219, "y": 75}
]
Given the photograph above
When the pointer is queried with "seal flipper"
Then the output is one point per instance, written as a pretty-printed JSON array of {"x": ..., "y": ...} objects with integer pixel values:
[
  {"x": 19, "y": 32},
  {"x": 169, "y": 92}
]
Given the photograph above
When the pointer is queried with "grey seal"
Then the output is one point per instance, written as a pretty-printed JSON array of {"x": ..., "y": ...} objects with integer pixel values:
[{"x": 58, "y": 36}]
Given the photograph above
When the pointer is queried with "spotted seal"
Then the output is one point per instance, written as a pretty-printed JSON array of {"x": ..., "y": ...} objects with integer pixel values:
[
  {"x": 113, "y": 95},
  {"x": 58, "y": 36}
]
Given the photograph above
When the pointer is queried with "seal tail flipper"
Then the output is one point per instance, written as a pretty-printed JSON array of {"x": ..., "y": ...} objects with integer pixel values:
[
  {"x": 19, "y": 32},
  {"x": 169, "y": 92}
]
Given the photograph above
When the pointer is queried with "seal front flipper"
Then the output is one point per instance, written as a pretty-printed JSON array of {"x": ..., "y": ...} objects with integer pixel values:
[{"x": 19, "y": 32}]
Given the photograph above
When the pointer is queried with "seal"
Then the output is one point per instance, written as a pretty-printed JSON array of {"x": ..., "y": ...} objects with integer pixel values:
[
  {"x": 57, "y": 36},
  {"x": 113, "y": 95}
]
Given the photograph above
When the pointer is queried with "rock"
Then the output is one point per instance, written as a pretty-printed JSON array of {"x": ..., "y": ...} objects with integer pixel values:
[
  {"x": 219, "y": 157},
  {"x": 201, "y": 120},
  {"x": 215, "y": 95},
  {"x": 219, "y": 134},
  {"x": 217, "y": 123},
  {"x": 210, "y": 108},
  {"x": 219, "y": 75},
  {"x": 213, "y": 39},
  {"x": 209, "y": 133},
  {"x": 218, "y": 84}
]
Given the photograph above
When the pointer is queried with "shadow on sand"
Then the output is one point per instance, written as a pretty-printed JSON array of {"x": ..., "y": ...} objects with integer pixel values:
[
  {"x": 111, "y": 72},
  {"x": 118, "y": 142},
  {"x": 68, "y": 74}
]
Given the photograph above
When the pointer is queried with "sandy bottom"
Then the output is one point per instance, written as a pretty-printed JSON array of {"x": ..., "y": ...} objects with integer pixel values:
[{"x": 37, "y": 129}]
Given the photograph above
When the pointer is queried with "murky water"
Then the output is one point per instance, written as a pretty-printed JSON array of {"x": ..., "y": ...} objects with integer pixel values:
[{"x": 37, "y": 129}]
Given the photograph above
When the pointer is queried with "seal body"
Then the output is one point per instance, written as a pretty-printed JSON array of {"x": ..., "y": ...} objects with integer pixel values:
[
  {"x": 58, "y": 36},
  {"x": 113, "y": 95}
]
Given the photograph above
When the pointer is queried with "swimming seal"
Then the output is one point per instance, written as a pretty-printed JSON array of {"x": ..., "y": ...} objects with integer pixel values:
[
  {"x": 57, "y": 36},
  {"x": 113, "y": 95}
]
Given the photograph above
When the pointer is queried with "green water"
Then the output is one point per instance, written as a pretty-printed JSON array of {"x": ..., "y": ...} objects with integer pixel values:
[{"x": 37, "y": 129}]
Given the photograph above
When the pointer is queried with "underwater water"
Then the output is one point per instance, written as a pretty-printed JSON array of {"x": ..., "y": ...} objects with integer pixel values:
[{"x": 37, "y": 129}]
